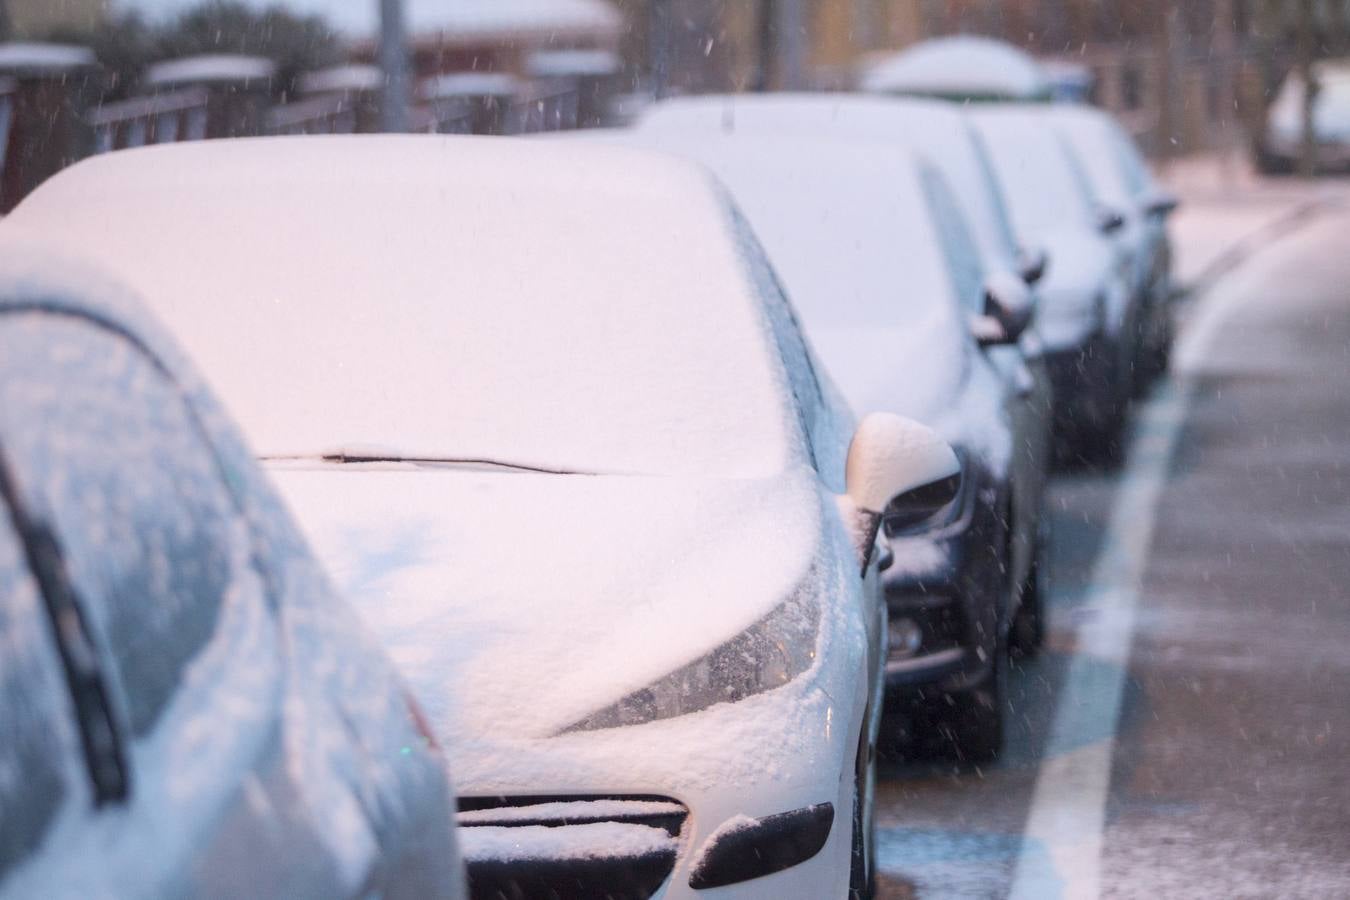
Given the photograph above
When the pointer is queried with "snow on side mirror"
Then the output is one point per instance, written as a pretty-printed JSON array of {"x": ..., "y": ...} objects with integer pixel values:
[
  {"x": 1161, "y": 203},
  {"x": 1008, "y": 308},
  {"x": 890, "y": 458}
]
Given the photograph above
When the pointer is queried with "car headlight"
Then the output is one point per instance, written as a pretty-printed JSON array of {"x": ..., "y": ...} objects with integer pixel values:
[{"x": 768, "y": 655}]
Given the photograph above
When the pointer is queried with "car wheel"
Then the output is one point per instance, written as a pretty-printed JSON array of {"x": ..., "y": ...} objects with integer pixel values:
[
  {"x": 863, "y": 871},
  {"x": 972, "y": 726},
  {"x": 1027, "y": 633}
]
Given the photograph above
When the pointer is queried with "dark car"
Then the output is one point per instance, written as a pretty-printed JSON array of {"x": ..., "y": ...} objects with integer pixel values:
[{"x": 187, "y": 709}]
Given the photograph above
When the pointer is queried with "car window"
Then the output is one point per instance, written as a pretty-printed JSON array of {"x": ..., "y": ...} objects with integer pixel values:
[
  {"x": 958, "y": 247},
  {"x": 39, "y": 751},
  {"x": 787, "y": 334},
  {"x": 105, "y": 452}
]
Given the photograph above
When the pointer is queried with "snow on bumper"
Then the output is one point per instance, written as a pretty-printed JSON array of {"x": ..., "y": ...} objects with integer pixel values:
[{"x": 666, "y": 809}]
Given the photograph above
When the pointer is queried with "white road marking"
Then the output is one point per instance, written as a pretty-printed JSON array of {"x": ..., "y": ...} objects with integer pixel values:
[{"x": 1062, "y": 843}]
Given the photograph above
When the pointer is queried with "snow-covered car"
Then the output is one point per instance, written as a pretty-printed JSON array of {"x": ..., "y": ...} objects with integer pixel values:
[
  {"x": 187, "y": 707},
  {"x": 940, "y": 133},
  {"x": 1122, "y": 182},
  {"x": 1279, "y": 150},
  {"x": 1088, "y": 314},
  {"x": 547, "y": 416},
  {"x": 876, "y": 257},
  {"x": 961, "y": 67}
]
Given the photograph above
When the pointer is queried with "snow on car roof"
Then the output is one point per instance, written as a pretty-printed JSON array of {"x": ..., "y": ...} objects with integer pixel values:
[
  {"x": 933, "y": 128},
  {"x": 36, "y": 59},
  {"x": 561, "y": 306},
  {"x": 847, "y": 225},
  {"x": 960, "y": 66},
  {"x": 572, "y": 63},
  {"x": 211, "y": 67}
]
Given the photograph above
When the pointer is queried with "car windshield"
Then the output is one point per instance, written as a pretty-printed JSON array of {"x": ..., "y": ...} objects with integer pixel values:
[
  {"x": 1035, "y": 172},
  {"x": 344, "y": 312}
]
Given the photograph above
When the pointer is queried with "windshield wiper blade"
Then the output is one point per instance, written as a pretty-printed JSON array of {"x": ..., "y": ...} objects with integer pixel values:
[{"x": 357, "y": 457}]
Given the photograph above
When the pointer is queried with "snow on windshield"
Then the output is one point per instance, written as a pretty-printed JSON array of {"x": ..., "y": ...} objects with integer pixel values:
[
  {"x": 847, "y": 225},
  {"x": 1034, "y": 170},
  {"x": 461, "y": 299},
  {"x": 1099, "y": 154}
]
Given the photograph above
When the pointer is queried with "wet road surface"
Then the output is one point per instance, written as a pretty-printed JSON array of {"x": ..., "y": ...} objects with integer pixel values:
[{"x": 1186, "y": 733}]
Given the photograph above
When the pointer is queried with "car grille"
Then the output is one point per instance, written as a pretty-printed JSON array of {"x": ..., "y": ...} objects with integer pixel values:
[{"x": 565, "y": 847}]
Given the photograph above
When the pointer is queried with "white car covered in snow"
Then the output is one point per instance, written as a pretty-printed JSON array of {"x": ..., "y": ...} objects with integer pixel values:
[
  {"x": 545, "y": 413},
  {"x": 1089, "y": 313},
  {"x": 187, "y": 708}
]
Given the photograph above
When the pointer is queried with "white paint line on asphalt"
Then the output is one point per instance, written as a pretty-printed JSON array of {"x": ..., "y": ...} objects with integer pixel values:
[{"x": 1062, "y": 843}]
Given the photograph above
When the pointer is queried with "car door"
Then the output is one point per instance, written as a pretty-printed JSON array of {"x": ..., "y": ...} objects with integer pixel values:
[
  {"x": 1022, "y": 375},
  {"x": 106, "y": 460}
]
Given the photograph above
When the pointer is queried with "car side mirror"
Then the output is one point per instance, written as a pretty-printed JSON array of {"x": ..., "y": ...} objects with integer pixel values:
[
  {"x": 1110, "y": 221},
  {"x": 1008, "y": 309},
  {"x": 1161, "y": 203},
  {"x": 1031, "y": 265},
  {"x": 893, "y": 462}
]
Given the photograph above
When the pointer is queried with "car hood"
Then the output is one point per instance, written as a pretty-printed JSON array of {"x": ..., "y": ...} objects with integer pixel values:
[{"x": 518, "y": 603}]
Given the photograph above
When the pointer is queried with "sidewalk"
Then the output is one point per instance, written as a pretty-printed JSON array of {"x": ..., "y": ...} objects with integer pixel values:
[{"x": 1228, "y": 210}]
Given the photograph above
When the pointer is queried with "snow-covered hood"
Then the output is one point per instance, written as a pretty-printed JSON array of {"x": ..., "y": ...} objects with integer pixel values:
[
  {"x": 518, "y": 603},
  {"x": 1082, "y": 265}
]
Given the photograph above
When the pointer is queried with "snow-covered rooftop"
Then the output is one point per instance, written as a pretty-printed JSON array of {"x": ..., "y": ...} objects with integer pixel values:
[
  {"x": 572, "y": 63},
  {"x": 354, "y": 77},
  {"x": 470, "y": 84},
  {"x": 40, "y": 59},
  {"x": 959, "y": 67},
  {"x": 209, "y": 68}
]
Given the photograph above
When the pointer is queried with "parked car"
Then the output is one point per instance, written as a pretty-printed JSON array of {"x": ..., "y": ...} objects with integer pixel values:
[
  {"x": 188, "y": 709},
  {"x": 940, "y": 133},
  {"x": 877, "y": 257},
  {"x": 1122, "y": 182},
  {"x": 1279, "y": 150},
  {"x": 550, "y": 420},
  {"x": 1088, "y": 314}
]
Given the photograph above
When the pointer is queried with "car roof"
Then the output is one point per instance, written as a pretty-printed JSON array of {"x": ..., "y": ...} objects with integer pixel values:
[
  {"x": 268, "y": 259},
  {"x": 935, "y": 128},
  {"x": 960, "y": 65}
]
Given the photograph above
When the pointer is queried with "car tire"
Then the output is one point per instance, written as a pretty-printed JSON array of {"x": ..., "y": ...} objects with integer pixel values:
[
  {"x": 863, "y": 864},
  {"x": 1027, "y": 633},
  {"x": 972, "y": 726}
]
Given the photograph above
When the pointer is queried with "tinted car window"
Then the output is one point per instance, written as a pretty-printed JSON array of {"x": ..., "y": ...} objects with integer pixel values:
[
  {"x": 106, "y": 452},
  {"x": 39, "y": 759}
]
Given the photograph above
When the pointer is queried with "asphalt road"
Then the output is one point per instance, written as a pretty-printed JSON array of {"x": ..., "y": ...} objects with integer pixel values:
[{"x": 1187, "y": 731}]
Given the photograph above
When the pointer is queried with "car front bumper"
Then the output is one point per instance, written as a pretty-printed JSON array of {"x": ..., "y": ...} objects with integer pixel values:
[{"x": 753, "y": 800}]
